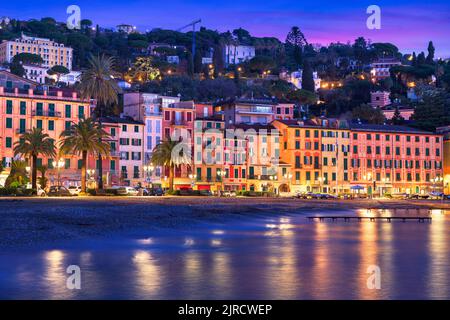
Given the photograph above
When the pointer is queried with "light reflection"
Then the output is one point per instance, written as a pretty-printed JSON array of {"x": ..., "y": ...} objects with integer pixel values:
[
  {"x": 216, "y": 242},
  {"x": 148, "y": 273},
  {"x": 146, "y": 241},
  {"x": 55, "y": 274},
  {"x": 218, "y": 232},
  {"x": 189, "y": 242}
]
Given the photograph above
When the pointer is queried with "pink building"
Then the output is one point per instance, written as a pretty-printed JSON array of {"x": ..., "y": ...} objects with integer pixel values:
[{"x": 379, "y": 99}]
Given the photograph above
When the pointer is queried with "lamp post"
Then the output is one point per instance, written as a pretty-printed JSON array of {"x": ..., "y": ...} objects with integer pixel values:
[
  {"x": 148, "y": 169},
  {"x": 28, "y": 169},
  {"x": 321, "y": 179},
  {"x": 385, "y": 182},
  {"x": 58, "y": 165},
  {"x": 368, "y": 178},
  {"x": 192, "y": 177},
  {"x": 221, "y": 174}
]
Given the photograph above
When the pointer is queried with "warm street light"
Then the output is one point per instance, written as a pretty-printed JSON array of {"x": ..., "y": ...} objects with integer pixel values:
[
  {"x": 148, "y": 169},
  {"x": 221, "y": 174},
  {"x": 58, "y": 165}
]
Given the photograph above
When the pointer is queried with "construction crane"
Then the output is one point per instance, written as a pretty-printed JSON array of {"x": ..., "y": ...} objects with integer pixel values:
[{"x": 193, "y": 23}]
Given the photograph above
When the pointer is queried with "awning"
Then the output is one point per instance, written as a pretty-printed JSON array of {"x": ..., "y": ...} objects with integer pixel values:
[{"x": 356, "y": 188}]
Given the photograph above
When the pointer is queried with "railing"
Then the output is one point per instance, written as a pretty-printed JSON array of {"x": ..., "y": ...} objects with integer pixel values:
[
  {"x": 50, "y": 114},
  {"x": 254, "y": 110}
]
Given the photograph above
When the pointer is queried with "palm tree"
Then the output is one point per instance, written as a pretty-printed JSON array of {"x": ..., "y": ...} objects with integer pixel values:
[
  {"x": 171, "y": 154},
  {"x": 98, "y": 82},
  {"x": 81, "y": 139},
  {"x": 32, "y": 144},
  {"x": 43, "y": 179}
]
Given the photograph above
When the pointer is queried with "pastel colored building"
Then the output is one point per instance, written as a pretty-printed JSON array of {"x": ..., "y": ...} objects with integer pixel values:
[
  {"x": 395, "y": 159},
  {"x": 124, "y": 166},
  {"x": 51, "y": 52},
  {"x": 381, "y": 68},
  {"x": 380, "y": 99},
  {"x": 54, "y": 111}
]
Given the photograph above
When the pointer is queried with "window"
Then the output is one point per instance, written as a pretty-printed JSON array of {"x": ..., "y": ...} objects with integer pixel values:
[
  {"x": 136, "y": 172},
  {"x": 297, "y": 133},
  {"x": 158, "y": 126},
  {"x": 51, "y": 109},
  {"x": 297, "y": 144},
  {"x": 39, "y": 124},
  {"x": 112, "y": 165},
  {"x": 80, "y": 112},
  {"x": 51, "y": 125},
  {"x": 369, "y": 136},
  {"x": 23, "y": 108},
  {"x": 124, "y": 128},
  {"x": 68, "y": 111},
  {"x": 67, "y": 125},
  {"x": 8, "y": 142},
  {"x": 67, "y": 164},
  {"x": 9, "y": 106},
  {"x": 9, "y": 123},
  {"x": 113, "y": 132},
  {"x": 136, "y": 129}
]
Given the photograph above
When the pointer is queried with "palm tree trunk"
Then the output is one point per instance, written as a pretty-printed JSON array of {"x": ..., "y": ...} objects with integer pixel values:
[
  {"x": 100, "y": 164},
  {"x": 34, "y": 172},
  {"x": 83, "y": 172},
  {"x": 171, "y": 177}
]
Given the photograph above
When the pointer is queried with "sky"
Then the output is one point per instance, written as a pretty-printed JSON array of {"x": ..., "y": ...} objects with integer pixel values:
[{"x": 408, "y": 24}]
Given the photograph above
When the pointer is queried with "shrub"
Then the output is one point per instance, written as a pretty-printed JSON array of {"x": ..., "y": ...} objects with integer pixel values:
[{"x": 8, "y": 191}]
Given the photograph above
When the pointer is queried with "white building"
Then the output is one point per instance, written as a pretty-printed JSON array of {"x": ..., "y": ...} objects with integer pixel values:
[
  {"x": 173, "y": 59},
  {"x": 296, "y": 78},
  {"x": 238, "y": 54},
  {"x": 35, "y": 73},
  {"x": 69, "y": 79},
  {"x": 126, "y": 28},
  {"x": 381, "y": 68}
]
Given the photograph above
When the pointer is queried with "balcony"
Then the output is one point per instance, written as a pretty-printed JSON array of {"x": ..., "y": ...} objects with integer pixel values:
[
  {"x": 20, "y": 130},
  {"x": 46, "y": 114},
  {"x": 257, "y": 110},
  {"x": 179, "y": 123}
]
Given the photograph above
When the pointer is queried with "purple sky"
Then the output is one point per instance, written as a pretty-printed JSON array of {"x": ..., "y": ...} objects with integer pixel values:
[{"x": 408, "y": 24}]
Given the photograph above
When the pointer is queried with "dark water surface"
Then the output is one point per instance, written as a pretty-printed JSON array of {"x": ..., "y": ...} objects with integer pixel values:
[{"x": 268, "y": 258}]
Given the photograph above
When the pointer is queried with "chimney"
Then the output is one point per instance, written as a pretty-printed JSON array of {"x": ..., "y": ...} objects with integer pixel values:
[
  {"x": 2, "y": 90},
  {"x": 30, "y": 92},
  {"x": 16, "y": 91},
  {"x": 59, "y": 94},
  {"x": 74, "y": 95}
]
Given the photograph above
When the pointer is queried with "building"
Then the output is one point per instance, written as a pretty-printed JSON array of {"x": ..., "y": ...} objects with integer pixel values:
[
  {"x": 70, "y": 79},
  {"x": 379, "y": 99},
  {"x": 395, "y": 159},
  {"x": 380, "y": 68},
  {"x": 126, "y": 28},
  {"x": 51, "y": 52},
  {"x": 296, "y": 78},
  {"x": 445, "y": 131},
  {"x": 252, "y": 111},
  {"x": 10, "y": 81},
  {"x": 23, "y": 109},
  {"x": 35, "y": 73},
  {"x": 238, "y": 54},
  {"x": 124, "y": 166},
  {"x": 405, "y": 112}
]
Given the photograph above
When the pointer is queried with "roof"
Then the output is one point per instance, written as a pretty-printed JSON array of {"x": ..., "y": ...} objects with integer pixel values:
[
  {"x": 123, "y": 120},
  {"x": 256, "y": 126},
  {"x": 386, "y": 128},
  {"x": 19, "y": 78}
]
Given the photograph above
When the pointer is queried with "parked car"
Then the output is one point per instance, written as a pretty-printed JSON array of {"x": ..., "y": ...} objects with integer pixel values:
[
  {"x": 74, "y": 190},
  {"x": 399, "y": 196},
  {"x": 229, "y": 194},
  {"x": 205, "y": 193},
  {"x": 127, "y": 191},
  {"x": 305, "y": 195},
  {"x": 41, "y": 192},
  {"x": 159, "y": 192},
  {"x": 58, "y": 191},
  {"x": 418, "y": 196},
  {"x": 436, "y": 195}
]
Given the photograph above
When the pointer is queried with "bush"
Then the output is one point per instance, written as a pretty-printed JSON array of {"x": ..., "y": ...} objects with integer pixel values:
[
  {"x": 91, "y": 192},
  {"x": 173, "y": 192},
  {"x": 8, "y": 191}
]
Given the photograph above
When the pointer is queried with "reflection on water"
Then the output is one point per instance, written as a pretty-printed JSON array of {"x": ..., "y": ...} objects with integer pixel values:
[{"x": 276, "y": 258}]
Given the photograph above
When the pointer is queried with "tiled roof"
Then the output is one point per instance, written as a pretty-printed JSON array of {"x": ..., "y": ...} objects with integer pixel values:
[{"x": 386, "y": 128}]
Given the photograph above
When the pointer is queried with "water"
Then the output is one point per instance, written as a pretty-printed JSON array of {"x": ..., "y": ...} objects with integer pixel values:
[{"x": 275, "y": 258}]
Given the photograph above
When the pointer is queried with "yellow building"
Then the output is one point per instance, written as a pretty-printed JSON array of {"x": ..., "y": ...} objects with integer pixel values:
[{"x": 51, "y": 52}]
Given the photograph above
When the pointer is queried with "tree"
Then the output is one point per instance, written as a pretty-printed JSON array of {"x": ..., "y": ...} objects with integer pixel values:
[
  {"x": 32, "y": 144},
  {"x": 18, "y": 175},
  {"x": 295, "y": 41},
  {"x": 397, "y": 119},
  {"x": 308, "y": 78},
  {"x": 260, "y": 64},
  {"x": 431, "y": 50},
  {"x": 58, "y": 71},
  {"x": 43, "y": 181},
  {"x": 28, "y": 58},
  {"x": 368, "y": 114},
  {"x": 17, "y": 69},
  {"x": 98, "y": 82},
  {"x": 171, "y": 154},
  {"x": 302, "y": 97},
  {"x": 434, "y": 111},
  {"x": 143, "y": 70},
  {"x": 84, "y": 138}
]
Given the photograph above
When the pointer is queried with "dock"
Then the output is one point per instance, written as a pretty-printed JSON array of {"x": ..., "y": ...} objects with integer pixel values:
[{"x": 372, "y": 219}]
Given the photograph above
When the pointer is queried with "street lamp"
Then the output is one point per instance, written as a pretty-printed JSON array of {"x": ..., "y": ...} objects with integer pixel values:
[
  {"x": 58, "y": 165},
  {"x": 221, "y": 174},
  {"x": 148, "y": 169},
  {"x": 321, "y": 179}
]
